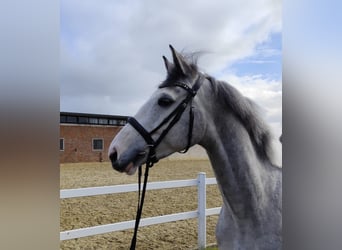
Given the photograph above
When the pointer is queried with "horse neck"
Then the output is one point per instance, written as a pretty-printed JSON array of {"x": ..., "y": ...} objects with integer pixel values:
[{"x": 242, "y": 177}]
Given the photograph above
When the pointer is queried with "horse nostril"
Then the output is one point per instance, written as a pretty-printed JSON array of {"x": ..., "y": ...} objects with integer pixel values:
[{"x": 113, "y": 157}]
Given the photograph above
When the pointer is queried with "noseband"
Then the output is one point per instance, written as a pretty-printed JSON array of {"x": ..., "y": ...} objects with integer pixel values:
[{"x": 173, "y": 118}]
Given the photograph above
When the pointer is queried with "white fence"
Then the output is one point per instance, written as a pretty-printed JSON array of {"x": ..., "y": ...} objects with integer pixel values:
[{"x": 200, "y": 213}]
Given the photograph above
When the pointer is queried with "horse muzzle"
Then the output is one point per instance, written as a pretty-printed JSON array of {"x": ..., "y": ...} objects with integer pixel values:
[{"x": 127, "y": 163}]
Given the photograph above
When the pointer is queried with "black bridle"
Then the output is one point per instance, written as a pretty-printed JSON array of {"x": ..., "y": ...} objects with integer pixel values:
[{"x": 171, "y": 119}]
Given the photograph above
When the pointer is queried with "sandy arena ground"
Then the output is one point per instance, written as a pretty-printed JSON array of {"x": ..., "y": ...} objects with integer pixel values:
[{"x": 98, "y": 210}]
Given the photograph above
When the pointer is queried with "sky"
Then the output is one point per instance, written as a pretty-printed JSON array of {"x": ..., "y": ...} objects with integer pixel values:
[{"x": 111, "y": 51}]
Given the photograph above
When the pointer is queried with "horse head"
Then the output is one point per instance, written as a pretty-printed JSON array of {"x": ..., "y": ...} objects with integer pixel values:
[{"x": 168, "y": 122}]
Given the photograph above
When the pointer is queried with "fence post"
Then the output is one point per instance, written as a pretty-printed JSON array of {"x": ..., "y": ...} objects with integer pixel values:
[{"x": 201, "y": 211}]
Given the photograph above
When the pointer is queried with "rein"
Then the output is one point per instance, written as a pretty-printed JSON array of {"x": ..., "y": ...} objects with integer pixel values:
[{"x": 173, "y": 118}]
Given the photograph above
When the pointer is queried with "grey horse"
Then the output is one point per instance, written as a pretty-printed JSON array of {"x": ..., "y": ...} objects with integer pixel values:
[{"x": 237, "y": 141}]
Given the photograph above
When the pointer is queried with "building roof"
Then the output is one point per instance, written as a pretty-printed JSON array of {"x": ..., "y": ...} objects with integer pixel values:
[{"x": 92, "y": 119}]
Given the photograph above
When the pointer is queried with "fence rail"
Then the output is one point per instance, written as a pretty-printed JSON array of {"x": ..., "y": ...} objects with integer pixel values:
[{"x": 200, "y": 213}]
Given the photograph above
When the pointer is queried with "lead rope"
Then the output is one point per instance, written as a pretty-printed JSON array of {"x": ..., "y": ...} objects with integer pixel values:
[
  {"x": 151, "y": 158},
  {"x": 141, "y": 197}
]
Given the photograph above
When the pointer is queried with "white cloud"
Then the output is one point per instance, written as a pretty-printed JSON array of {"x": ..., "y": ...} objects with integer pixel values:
[{"x": 111, "y": 50}]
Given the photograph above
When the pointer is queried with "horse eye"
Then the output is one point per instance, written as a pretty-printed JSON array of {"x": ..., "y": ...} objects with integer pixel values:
[{"x": 165, "y": 102}]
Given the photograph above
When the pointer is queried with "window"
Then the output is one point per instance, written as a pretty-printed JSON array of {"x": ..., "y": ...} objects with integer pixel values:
[
  {"x": 83, "y": 120},
  {"x": 122, "y": 122},
  {"x": 113, "y": 122},
  {"x": 63, "y": 119},
  {"x": 93, "y": 120},
  {"x": 98, "y": 144},
  {"x": 103, "y": 121},
  {"x": 71, "y": 119},
  {"x": 61, "y": 144}
]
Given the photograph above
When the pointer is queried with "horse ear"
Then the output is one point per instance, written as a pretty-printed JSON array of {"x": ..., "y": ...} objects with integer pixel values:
[
  {"x": 179, "y": 61},
  {"x": 168, "y": 65}
]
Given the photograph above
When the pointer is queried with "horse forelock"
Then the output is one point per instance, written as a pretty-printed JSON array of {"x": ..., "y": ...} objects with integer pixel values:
[{"x": 175, "y": 75}]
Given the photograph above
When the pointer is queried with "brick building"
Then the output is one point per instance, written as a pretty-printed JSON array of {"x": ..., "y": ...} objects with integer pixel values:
[{"x": 86, "y": 137}]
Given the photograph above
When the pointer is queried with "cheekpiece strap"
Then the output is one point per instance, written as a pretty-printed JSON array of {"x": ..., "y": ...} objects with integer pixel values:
[{"x": 142, "y": 131}]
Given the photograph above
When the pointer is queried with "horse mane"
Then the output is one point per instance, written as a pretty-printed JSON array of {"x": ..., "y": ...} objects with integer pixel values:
[
  {"x": 248, "y": 114},
  {"x": 243, "y": 108}
]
